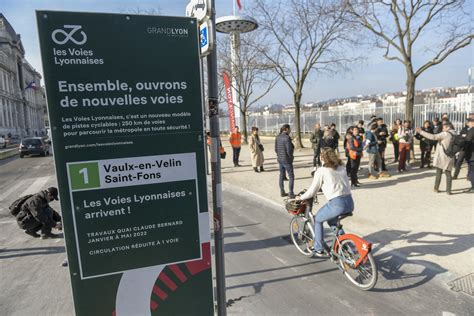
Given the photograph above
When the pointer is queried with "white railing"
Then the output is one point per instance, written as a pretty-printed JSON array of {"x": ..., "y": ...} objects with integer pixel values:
[{"x": 270, "y": 124}]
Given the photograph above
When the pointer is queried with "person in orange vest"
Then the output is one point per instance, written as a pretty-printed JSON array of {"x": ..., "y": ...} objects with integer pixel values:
[{"x": 235, "y": 141}]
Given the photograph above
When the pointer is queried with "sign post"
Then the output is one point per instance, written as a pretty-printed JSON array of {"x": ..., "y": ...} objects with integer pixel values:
[
  {"x": 124, "y": 101},
  {"x": 205, "y": 10}
]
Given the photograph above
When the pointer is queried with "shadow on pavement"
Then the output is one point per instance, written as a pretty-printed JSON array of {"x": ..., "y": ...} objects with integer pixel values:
[
  {"x": 405, "y": 271},
  {"x": 272, "y": 269},
  {"x": 249, "y": 245},
  {"x": 23, "y": 252},
  {"x": 259, "y": 285}
]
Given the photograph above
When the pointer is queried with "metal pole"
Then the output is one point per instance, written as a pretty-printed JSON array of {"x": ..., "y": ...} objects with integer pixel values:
[{"x": 216, "y": 170}]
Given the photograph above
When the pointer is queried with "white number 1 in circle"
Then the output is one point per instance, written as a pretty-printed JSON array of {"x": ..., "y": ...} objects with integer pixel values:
[{"x": 83, "y": 171}]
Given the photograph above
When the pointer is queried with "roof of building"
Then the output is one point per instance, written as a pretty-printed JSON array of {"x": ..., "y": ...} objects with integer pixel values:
[{"x": 8, "y": 34}]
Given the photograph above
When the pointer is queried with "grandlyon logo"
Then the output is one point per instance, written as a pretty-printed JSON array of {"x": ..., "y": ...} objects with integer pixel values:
[{"x": 61, "y": 37}]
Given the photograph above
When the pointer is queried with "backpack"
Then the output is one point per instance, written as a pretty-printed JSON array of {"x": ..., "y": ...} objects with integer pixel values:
[
  {"x": 16, "y": 206},
  {"x": 456, "y": 144}
]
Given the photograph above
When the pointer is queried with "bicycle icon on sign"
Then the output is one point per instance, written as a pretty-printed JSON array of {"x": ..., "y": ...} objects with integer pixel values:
[{"x": 69, "y": 36}]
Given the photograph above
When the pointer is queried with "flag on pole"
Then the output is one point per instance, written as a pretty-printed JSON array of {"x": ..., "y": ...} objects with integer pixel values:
[
  {"x": 31, "y": 85},
  {"x": 239, "y": 4}
]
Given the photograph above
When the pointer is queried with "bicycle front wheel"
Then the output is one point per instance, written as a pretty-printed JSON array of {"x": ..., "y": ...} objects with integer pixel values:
[
  {"x": 301, "y": 235},
  {"x": 364, "y": 276}
]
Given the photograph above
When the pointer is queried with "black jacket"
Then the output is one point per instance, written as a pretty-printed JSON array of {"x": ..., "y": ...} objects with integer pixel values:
[
  {"x": 331, "y": 142},
  {"x": 36, "y": 210},
  {"x": 284, "y": 148},
  {"x": 382, "y": 133},
  {"x": 469, "y": 145},
  {"x": 437, "y": 128},
  {"x": 425, "y": 144}
]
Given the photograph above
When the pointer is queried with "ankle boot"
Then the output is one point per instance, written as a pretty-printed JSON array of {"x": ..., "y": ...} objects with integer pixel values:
[
  {"x": 255, "y": 169},
  {"x": 261, "y": 169}
]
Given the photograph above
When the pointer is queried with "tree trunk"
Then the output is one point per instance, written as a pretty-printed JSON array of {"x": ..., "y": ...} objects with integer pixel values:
[
  {"x": 410, "y": 99},
  {"x": 297, "y": 100},
  {"x": 244, "y": 125}
]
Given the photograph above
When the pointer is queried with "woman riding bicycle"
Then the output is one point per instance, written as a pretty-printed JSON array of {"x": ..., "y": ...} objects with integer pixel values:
[{"x": 333, "y": 181}]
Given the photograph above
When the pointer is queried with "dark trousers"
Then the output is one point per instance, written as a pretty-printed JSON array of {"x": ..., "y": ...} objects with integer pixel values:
[
  {"x": 355, "y": 163},
  {"x": 396, "y": 150},
  {"x": 348, "y": 166},
  {"x": 316, "y": 157},
  {"x": 382, "y": 157},
  {"x": 458, "y": 163},
  {"x": 286, "y": 168},
  {"x": 236, "y": 152},
  {"x": 425, "y": 157},
  {"x": 470, "y": 171},
  {"x": 449, "y": 179}
]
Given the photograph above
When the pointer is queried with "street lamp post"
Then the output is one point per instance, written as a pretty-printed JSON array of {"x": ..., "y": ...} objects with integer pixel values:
[{"x": 234, "y": 26}]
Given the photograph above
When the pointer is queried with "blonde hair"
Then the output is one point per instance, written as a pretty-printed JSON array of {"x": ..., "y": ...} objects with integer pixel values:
[{"x": 330, "y": 158}]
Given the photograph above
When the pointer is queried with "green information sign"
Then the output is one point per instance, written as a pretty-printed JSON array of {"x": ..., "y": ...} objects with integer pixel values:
[{"x": 124, "y": 101}]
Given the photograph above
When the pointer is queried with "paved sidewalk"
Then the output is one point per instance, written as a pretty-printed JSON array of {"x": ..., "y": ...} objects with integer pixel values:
[{"x": 401, "y": 215}]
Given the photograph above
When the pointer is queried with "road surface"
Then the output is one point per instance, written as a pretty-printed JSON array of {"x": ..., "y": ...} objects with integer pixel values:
[{"x": 265, "y": 273}]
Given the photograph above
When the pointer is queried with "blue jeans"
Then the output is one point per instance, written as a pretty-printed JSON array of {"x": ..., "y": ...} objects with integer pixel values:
[
  {"x": 235, "y": 158},
  {"x": 288, "y": 168},
  {"x": 329, "y": 213}
]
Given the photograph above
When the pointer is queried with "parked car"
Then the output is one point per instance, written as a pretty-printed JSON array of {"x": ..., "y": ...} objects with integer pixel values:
[
  {"x": 34, "y": 146},
  {"x": 3, "y": 142}
]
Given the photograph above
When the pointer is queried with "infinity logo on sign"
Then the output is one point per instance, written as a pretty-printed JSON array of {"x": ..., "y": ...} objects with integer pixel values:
[{"x": 69, "y": 36}]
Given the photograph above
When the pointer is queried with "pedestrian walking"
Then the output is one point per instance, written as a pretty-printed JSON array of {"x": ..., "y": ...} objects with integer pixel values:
[
  {"x": 355, "y": 154},
  {"x": 256, "y": 150},
  {"x": 395, "y": 139},
  {"x": 372, "y": 148},
  {"x": 36, "y": 215},
  {"x": 425, "y": 145},
  {"x": 461, "y": 156},
  {"x": 315, "y": 139},
  {"x": 405, "y": 139},
  {"x": 441, "y": 160},
  {"x": 235, "y": 141},
  {"x": 284, "y": 150}
]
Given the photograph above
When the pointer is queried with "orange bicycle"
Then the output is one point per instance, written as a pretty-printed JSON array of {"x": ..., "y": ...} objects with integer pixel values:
[{"x": 351, "y": 253}]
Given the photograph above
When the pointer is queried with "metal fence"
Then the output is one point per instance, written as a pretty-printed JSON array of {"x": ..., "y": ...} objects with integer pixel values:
[{"x": 270, "y": 124}]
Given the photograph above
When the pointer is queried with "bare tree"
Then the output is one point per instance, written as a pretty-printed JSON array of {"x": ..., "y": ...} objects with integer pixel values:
[
  {"x": 399, "y": 25},
  {"x": 254, "y": 78},
  {"x": 302, "y": 37}
]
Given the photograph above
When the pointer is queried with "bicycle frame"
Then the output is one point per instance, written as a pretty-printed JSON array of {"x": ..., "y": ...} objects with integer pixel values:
[{"x": 363, "y": 247}]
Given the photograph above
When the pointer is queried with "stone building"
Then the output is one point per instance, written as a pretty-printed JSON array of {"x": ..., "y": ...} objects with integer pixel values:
[{"x": 22, "y": 99}]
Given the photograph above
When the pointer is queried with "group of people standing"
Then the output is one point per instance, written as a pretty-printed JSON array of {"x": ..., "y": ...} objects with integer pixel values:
[{"x": 373, "y": 139}]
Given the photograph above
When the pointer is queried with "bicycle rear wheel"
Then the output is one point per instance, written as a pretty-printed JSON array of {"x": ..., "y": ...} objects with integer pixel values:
[
  {"x": 301, "y": 235},
  {"x": 365, "y": 275}
]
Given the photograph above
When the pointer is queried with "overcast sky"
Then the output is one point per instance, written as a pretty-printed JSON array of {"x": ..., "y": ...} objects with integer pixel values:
[{"x": 376, "y": 75}]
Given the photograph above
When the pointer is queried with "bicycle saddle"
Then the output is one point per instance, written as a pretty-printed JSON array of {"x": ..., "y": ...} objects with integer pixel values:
[{"x": 344, "y": 216}]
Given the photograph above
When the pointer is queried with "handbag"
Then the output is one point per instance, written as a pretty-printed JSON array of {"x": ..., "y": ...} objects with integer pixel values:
[{"x": 260, "y": 146}]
